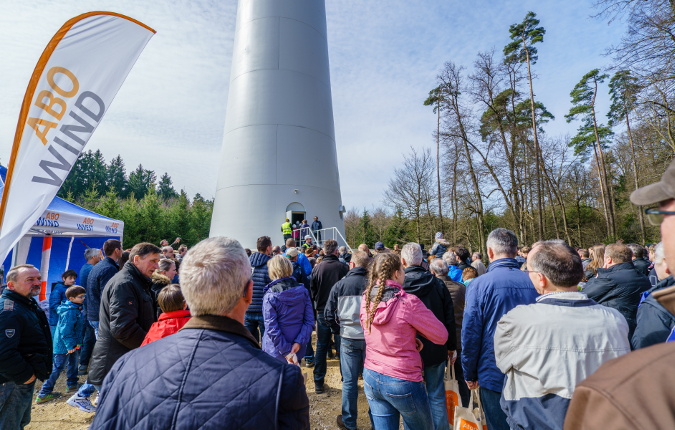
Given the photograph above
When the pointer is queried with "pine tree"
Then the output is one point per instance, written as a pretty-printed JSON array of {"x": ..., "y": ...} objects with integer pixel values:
[
  {"x": 165, "y": 189},
  {"x": 151, "y": 211},
  {"x": 117, "y": 176},
  {"x": 396, "y": 233},
  {"x": 366, "y": 234},
  {"x": 141, "y": 181},
  {"x": 590, "y": 134}
]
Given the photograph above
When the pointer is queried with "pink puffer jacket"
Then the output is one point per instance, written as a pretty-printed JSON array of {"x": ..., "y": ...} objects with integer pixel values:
[{"x": 390, "y": 342}]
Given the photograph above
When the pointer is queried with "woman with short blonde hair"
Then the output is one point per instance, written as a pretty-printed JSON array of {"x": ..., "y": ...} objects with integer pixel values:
[{"x": 288, "y": 314}]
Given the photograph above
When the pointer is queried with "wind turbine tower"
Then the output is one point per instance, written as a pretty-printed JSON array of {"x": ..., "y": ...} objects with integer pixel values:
[{"x": 278, "y": 158}]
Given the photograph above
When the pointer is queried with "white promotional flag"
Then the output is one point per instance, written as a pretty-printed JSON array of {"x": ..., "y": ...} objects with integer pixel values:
[{"x": 74, "y": 82}]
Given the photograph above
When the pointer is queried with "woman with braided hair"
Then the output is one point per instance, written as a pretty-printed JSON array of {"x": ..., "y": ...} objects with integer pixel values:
[{"x": 391, "y": 321}]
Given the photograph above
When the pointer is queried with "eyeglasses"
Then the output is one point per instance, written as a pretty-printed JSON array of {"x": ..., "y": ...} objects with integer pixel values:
[{"x": 655, "y": 216}]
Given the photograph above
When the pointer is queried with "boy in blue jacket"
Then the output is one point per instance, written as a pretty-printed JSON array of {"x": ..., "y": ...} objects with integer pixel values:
[
  {"x": 67, "y": 337},
  {"x": 58, "y": 295}
]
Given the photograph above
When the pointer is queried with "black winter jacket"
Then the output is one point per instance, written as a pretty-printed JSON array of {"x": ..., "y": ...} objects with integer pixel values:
[
  {"x": 210, "y": 375},
  {"x": 300, "y": 276},
  {"x": 324, "y": 276},
  {"x": 642, "y": 266},
  {"x": 436, "y": 297},
  {"x": 127, "y": 312},
  {"x": 25, "y": 339},
  {"x": 619, "y": 287},
  {"x": 654, "y": 322},
  {"x": 261, "y": 278},
  {"x": 343, "y": 308},
  {"x": 98, "y": 278}
]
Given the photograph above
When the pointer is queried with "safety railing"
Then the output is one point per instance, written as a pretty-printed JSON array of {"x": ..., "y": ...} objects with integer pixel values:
[{"x": 319, "y": 236}]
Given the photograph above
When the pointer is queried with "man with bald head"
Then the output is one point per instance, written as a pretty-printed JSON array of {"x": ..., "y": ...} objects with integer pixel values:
[
  {"x": 25, "y": 345},
  {"x": 364, "y": 248}
]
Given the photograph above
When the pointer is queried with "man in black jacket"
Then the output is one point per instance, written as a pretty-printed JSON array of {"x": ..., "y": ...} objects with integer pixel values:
[
  {"x": 342, "y": 312},
  {"x": 641, "y": 265},
  {"x": 99, "y": 277},
  {"x": 127, "y": 312},
  {"x": 618, "y": 285},
  {"x": 324, "y": 276},
  {"x": 25, "y": 345},
  {"x": 433, "y": 293}
]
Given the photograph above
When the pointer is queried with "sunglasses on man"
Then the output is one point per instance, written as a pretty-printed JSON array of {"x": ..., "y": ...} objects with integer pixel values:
[{"x": 655, "y": 216}]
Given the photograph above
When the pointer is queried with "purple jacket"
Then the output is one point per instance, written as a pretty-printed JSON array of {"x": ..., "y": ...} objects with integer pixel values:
[{"x": 289, "y": 318}]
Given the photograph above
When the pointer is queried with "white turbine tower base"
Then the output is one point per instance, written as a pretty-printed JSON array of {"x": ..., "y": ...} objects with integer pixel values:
[{"x": 278, "y": 158}]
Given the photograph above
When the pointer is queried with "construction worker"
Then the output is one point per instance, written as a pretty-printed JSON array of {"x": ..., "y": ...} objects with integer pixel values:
[{"x": 287, "y": 230}]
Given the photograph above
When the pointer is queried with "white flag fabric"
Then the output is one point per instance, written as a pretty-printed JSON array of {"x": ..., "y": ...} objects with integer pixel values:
[{"x": 74, "y": 82}]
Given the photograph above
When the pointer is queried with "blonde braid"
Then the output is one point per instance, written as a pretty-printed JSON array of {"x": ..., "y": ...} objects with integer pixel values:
[{"x": 383, "y": 268}]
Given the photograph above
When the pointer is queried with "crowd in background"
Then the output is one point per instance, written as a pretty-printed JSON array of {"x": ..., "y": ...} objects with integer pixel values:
[{"x": 215, "y": 336}]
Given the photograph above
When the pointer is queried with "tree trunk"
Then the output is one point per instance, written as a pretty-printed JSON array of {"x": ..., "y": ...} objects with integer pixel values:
[
  {"x": 603, "y": 171},
  {"x": 536, "y": 146},
  {"x": 438, "y": 160},
  {"x": 635, "y": 173}
]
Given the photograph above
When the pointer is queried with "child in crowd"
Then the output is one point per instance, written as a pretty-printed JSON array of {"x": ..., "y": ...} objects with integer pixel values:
[
  {"x": 468, "y": 275},
  {"x": 174, "y": 314},
  {"x": 67, "y": 338},
  {"x": 58, "y": 295}
]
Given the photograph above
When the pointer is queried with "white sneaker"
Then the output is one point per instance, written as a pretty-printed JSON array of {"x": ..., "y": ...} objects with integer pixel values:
[{"x": 82, "y": 403}]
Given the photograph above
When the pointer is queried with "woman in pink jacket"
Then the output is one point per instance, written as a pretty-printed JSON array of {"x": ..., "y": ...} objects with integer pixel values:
[{"x": 391, "y": 320}]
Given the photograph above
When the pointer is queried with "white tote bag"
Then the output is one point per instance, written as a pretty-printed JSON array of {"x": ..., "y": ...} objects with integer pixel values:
[
  {"x": 470, "y": 418},
  {"x": 451, "y": 393}
]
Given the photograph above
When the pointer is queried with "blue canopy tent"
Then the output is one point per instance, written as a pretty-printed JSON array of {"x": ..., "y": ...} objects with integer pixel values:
[{"x": 58, "y": 239}]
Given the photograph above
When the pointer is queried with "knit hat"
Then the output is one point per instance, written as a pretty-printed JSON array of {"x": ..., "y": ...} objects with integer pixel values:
[{"x": 439, "y": 235}]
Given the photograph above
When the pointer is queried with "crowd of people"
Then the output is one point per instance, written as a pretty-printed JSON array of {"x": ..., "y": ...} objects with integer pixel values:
[{"x": 546, "y": 336}]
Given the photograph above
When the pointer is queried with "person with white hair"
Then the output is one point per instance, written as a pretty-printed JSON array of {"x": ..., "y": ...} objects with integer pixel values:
[
  {"x": 477, "y": 263},
  {"x": 211, "y": 371},
  {"x": 654, "y": 321},
  {"x": 454, "y": 272},
  {"x": 491, "y": 296},
  {"x": 436, "y": 297}
]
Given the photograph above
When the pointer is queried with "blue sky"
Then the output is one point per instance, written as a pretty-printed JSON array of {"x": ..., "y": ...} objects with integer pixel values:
[{"x": 384, "y": 56}]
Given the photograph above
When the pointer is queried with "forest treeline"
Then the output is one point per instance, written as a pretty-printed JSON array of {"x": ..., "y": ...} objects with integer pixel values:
[
  {"x": 494, "y": 165},
  {"x": 151, "y": 211}
]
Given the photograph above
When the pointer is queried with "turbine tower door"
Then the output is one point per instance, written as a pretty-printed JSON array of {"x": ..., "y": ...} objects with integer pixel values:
[{"x": 295, "y": 212}]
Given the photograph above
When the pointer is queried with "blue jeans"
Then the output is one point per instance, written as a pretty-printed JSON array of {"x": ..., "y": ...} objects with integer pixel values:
[
  {"x": 88, "y": 389},
  {"x": 390, "y": 398},
  {"x": 60, "y": 361},
  {"x": 309, "y": 353},
  {"x": 494, "y": 415},
  {"x": 433, "y": 379},
  {"x": 88, "y": 342},
  {"x": 254, "y": 321},
  {"x": 15, "y": 404},
  {"x": 323, "y": 335},
  {"x": 94, "y": 324},
  {"x": 352, "y": 356}
]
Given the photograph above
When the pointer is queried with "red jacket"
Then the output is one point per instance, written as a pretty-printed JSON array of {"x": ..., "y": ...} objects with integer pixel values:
[{"x": 168, "y": 323}]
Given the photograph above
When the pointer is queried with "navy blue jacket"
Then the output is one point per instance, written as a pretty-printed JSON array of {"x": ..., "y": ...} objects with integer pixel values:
[
  {"x": 84, "y": 275},
  {"x": 210, "y": 375},
  {"x": 300, "y": 275},
  {"x": 619, "y": 287},
  {"x": 261, "y": 278},
  {"x": 98, "y": 277},
  {"x": 25, "y": 339},
  {"x": 654, "y": 322},
  {"x": 316, "y": 225},
  {"x": 56, "y": 297},
  {"x": 488, "y": 298}
]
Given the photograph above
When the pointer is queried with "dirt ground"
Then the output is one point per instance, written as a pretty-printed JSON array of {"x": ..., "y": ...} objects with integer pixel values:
[{"x": 324, "y": 408}]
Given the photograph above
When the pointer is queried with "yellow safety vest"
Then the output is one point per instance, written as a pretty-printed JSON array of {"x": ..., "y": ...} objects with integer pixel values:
[{"x": 286, "y": 228}]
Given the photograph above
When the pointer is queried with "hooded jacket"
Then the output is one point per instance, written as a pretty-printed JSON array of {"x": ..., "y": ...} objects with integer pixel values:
[
  {"x": 261, "y": 278},
  {"x": 70, "y": 328},
  {"x": 390, "y": 340},
  {"x": 324, "y": 276},
  {"x": 211, "y": 375},
  {"x": 25, "y": 339},
  {"x": 642, "y": 266},
  {"x": 619, "y": 287},
  {"x": 289, "y": 318},
  {"x": 168, "y": 324},
  {"x": 127, "y": 313},
  {"x": 440, "y": 247},
  {"x": 489, "y": 297},
  {"x": 57, "y": 296},
  {"x": 654, "y": 321},
  {"x": 547, "y": 348},
  {"x": 436, "y": 297},
  {"x": 344, "y": 304},
  {"x": 96, "y": 282}
]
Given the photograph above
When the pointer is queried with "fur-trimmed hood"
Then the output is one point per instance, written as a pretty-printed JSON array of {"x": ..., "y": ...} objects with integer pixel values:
[
  {"x": 443, "y": 242},
  {"x": 158, "y": 278}
]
